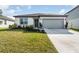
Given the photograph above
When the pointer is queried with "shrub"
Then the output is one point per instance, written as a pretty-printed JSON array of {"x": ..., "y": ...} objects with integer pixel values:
[
  {"x": 29, "y": 28},
  {"x": 12, "y": 26},
  {"x": 19, "y": 27}
]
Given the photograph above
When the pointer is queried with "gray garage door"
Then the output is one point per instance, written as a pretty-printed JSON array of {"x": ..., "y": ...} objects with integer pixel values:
[{"x": 53, "y": 24}]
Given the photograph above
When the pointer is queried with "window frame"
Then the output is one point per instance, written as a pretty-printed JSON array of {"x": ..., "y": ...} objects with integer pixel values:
[{"x": 23, "y": 20}]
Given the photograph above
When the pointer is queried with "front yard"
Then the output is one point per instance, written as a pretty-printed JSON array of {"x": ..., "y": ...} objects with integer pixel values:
[
  {"x": 20, "y": 41},
  {"x": 75, "y": 29}
]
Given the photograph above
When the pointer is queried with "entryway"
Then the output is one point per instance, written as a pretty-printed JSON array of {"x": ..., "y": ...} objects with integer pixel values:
[{"x": 36, "y": 23}]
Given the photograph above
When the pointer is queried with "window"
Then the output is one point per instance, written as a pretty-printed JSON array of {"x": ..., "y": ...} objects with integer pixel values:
[
  {"x": 23, "y": 20},
  {"x": 1, "y": 22}
]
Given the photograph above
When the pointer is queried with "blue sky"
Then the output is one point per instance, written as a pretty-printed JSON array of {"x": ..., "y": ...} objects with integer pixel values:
[{"x": 11, "y": 10}]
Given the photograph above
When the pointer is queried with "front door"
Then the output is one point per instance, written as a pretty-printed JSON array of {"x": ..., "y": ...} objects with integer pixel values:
[{"x": 36, "y": 21}]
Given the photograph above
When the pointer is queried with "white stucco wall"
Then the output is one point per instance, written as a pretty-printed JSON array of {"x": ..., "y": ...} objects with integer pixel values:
[
  {"x": 52, "y": 22},
  {"x": 52, "y": 17},
  {"x": 3, "y": 25},
  {"x": 42, "y": 18},
  {"x": 73, "y": 19},
  {"x": 17, "y": 21},
  {"x": 9, "y": 23},
  {"x": 29, "y": 21},
  {"x": 74, "y": 23}
]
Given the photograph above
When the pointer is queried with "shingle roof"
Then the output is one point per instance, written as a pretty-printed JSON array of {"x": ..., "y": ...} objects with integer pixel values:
[
  {"x": 6, "y": 18},
  {"x": 40, "y": 15}
]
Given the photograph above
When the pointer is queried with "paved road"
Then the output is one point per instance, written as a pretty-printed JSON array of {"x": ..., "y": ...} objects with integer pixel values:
[{"x": 65, "y": 41}]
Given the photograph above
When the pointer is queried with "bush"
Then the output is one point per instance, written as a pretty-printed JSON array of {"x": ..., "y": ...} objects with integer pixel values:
[
  {"x": 12, "y": 26},
  {"x": 19, "y": 27},
  {"x": 29, "y": 28}
]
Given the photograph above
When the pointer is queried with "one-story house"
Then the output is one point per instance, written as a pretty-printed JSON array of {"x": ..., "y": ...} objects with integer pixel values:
[
  {"x": 5, "y": 21},
  {"x": 41, "y": 20},
  {"x": 73, "y": 18}
]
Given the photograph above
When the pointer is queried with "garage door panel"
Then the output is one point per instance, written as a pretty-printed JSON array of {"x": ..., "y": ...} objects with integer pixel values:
[{"x": 54, "y": 24}]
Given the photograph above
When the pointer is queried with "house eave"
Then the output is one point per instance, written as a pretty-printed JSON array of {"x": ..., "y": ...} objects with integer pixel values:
[
  {"x": 71, "y": 10},
  {"x": 43, "y": 16}
]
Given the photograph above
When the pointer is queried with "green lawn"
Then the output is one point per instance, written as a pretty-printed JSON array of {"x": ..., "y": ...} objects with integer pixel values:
[
  {"x": 20, "y": 41},
  {"x": 75, "y": 29}
]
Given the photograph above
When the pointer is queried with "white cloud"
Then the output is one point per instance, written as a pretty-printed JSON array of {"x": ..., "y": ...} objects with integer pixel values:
[
  {"x": 73, "y": 6},
  {"x": 24, "y": 6},
  {"x": 8, "y": 12},
  {"x": 18, "y": 8},
  {"x": 29, "y": 7},
  {"x": 62, "y": 11},
  {"x": 11, "y": 11},
  {"x": 4, "y": 7}
]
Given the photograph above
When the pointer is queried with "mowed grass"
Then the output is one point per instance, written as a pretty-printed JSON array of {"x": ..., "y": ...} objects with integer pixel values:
[
  {"x": 75, "y": 29},
  {"x": 20, "y": 41}
]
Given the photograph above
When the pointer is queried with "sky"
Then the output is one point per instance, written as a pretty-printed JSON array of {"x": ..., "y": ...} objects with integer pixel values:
[{"x": 12, "y": 10}]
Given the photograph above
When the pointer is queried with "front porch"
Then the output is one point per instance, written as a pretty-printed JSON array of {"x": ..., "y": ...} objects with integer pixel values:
[{"x": 37, "y": 24}]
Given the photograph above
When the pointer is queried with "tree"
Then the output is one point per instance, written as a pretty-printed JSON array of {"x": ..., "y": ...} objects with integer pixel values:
[{"x": 0, "y": 11}]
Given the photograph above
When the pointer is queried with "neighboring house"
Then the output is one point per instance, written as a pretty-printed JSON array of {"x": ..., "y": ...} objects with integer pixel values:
[
  {"x": 5, "y": 21},
  {"x": 40, "y": 20},
  {"x": 73, "y": 18}
]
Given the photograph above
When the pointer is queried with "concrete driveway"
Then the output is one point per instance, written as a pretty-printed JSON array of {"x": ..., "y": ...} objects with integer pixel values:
[{"x": 65, "y": 41}]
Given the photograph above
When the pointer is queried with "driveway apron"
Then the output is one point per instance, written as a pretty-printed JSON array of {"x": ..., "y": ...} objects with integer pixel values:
[{"x": 65, "y": 41}]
